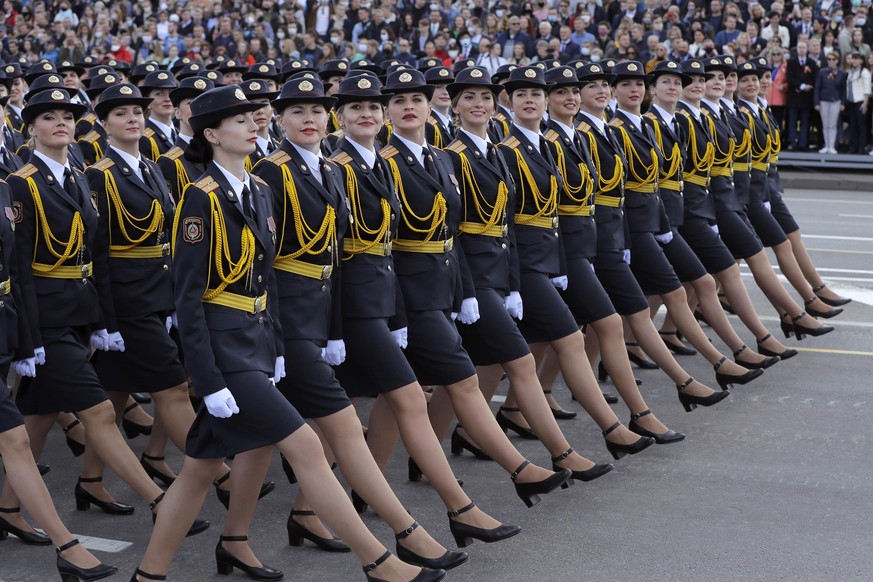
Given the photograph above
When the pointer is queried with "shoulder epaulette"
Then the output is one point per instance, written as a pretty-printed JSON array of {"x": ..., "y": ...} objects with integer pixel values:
[
  {"x": 584, "y": 126},
  {"x": 457, "y": 146},
  {"x": 104, "y": 164},
  {"x": 650, "y": 115},
  {"x": 90, "y": 117},
  {"x": 258, "y": 179},
  {"x": 278, "y": 157},
  {"x": 149, "y": 132},
  {"x": 432, "y": 121},
  {"x": 91, "y": 137},
  {"x": 616, "y": 122},
  {"x": 338, "y": 133},
  {"x": 26, "y": 171},
  {"x": 499, "y": 115},
  {"x": 552, "y": 135},
  {"x": 342, "y": 158},
  {"x": 174, "y": 154},
  {"x": 684, "y": 112},
  {"x": 511, "y": 142},
  {"x": 388, "y": 152},
  {"x": 207, "y": 184}
]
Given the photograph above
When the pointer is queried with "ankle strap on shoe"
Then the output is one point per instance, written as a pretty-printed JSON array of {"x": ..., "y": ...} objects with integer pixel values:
[
  {"x": 407, "y": 532},
  {"x": 610, "y": 429},
  {"x": 131, "y": 407},
  {"x": 639, "y": 415},
  {"x": 157, "y": 500},
  {"x": 376, "y": 563},
  {"x": 233, "y": 538},
  {"x": 547, "y": 391},
  {"x": 90, "y": 479},
  {"x": 798, "y": 317},
  {"x": 68, "y": 545},
  {"x": 221, "y": 479},
  {"x": 510, "y": 409},
  {"x": 819, "y": 288},
  {"x": 302, "y": 512},
  {"x": 563, "y": 455},
  {"x": 810, "y": 301},
  {"x": 10, "y": 510},
  {"x": 464, "y": 509},
  {"x": 765, "y": 338},
  {"x": 520, "y": 468},
  {"x": 685, "y": 384},
  {"x": 632, "y": 344},
  {"x": 741, "y": 349},
  {"x": 72, "y": 424},
  {"x": 151, "y": 458},
  {"x": 718, "y": 364},
  {"x": 148, "y": 576}
]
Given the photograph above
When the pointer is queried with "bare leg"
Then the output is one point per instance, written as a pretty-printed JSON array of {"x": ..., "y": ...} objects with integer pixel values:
[
  {"x": 769, "y": 284},
  {"x": 789, "y": 267},
  {"x": 245, "y": 482},
  {"x": 810, "y": 273},
  {"x": 382, "y": 432},
  {"x": 440, "y": 412}
]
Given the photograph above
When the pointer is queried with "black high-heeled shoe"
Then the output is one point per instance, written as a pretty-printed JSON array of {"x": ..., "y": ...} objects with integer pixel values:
[
  {"x": 788, "y": 353},
  {"x": 700, "y": 319},
  {"x": 560, "y": 413},
  {"x": 150, "y": 470},
  {"x": 816, "y": 313},
  {"x": 618, "y": 450},
  {"x": 132, "y": 429},
  {"x": 43, "y": 469},
  {"x": 447, "y": 561},
  {"x": 146, "y": 575},
  {"x": 225, "y": 562},
  {"x": 506, "y": 424},
  {"x": 690, "y": 401},
  {"x": 725, "y": 380},
  {"x": 426, "y": 574},
  {"x": 141, "y": 397},
  {"x": 77, "y": 448},
  {"x": 603, "y": 376},
  {"x": 84, "y": 500},
  {"x": 289, "y": 471},
  {"x": 199, "y": 525},
  {"x": 762, "y": 365},
  {"x": 641, "y": 363},
  {"x": 679, "y": 350},
  {"x": 827, "y": 300},
  {"x": 224, "y": 496},
  {"x": 415, "y": 473},
  {"x": 297, "y": 533},
  {"x": 664, "y": 438},
  {"x": 587, "y": 475},
  {"x": 72, "y": 573},
  {"x": 460, "y": 444},
  {"x": 800, "y": 330},
  {"x": 465, "y": 534},
  {"x": 30, "y": 538},
  {"x": 530, "y": 493},
  {"x": 358, "y": 503},
  {"x": 725, "y": 305}
]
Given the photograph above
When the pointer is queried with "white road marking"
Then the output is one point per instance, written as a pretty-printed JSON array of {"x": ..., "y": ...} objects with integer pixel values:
[
  {"x": 103, "y": 544},
  {"x": 831, "y": 237},
  {"x": 818, "y": 201},
  {"x": 855, "y": 215}
]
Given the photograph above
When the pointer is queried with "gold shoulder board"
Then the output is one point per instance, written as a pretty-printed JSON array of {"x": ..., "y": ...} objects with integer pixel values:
[
  {"x": 341, "y": 158},
  {"x": 25, "y": 171},
  {"x": 278, "y": 157},
  {"x": 616, "y": 122},
  {"x": 103, "y": 164},
  {"x": 174, "y": 154},
  {"x": 388, "y": 152},
  {"x": 457, "y": 146},
  {"x": 207, "y": 184},
  {"x": 552, "y": 135}
]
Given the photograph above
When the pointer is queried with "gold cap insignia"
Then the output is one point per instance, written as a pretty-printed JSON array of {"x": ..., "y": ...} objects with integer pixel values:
[
  {"x": 728, "y": 60},
  {"x": 126, "y": 91},
  {"x": 295, "y": 65},
  {"x": 102, "y": 71},
  {"x": 54, "y": 79},
  {"x": 264, "y": 68},
  {"x": 568, "y": 73},
  {"x": 631, "y": 67},
  {"x": 150, "y": 68},
  {"x": 163, "y": 76},
  {"x": 671, "y": 65},
  {"x": 46, "y": 67},
  {"x": 10, "y": 69},
  {"x": 405, "y": 78},
  {"x": 540, "y": 66},
  {"x": 342, "y": 66},
  {"x": 475, "y": 73},
  {"x": 713, "y": 61},
  {"x": 57, "y": 95},
  {"x": 695, "y": 65},
  {"x": 199, "y": 84},
  {"x": 194, "y": 67},
  {"x": 530, "y": 74},
  {"x": 595, "y": 69},
  {"x": 110, "y": 79},
  {"x": 444, "y": 73},
  {"x": 364, "y": 84},
  {"x": 305, "y": 86},
  {"x": 239, "y": 95},
  {"x": 255, "y": 86}
]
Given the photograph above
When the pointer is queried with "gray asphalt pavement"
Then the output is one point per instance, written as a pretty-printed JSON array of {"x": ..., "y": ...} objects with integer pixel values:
[{"x": 772, "y": 484}]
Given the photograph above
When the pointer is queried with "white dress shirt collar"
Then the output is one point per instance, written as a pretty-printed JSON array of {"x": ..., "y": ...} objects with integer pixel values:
[
  {"x": 569, "y": 131},
  {"x": 665, "y": 115},
  {"x": 482, "y": 144},
  {"x": 131, "y": 161},
  {"x": 56, "y": 169},
  {"x": 532, "y": 136},
  {"x": 165, "y": 129},
  {"x": 312, "y": 159},
  {"x": 368, "y": 155},
  {"x": 695, "y": 111},
  {"x": 417, "y": 150},
  {"x": 635, "y": 119},
  {"x": 236, "y": 184}
]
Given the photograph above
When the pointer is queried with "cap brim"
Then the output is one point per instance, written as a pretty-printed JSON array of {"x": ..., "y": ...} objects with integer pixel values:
[
  {"x": 251, "y": 75},
  {"x": 726, "y": 69},
  {"x": 619, "y": 78},
  {"x": 609, "y": 78},
  {"x": 202, "y": 121},
  {"x": 104, "y": 107},
  {"x": 30, "y": 112},
  {"x": 271, "y": 96}
]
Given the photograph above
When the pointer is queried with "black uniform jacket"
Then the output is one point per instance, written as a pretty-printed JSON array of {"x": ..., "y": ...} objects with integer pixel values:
[
  {"x": 671, "y": 142},
  {"x": 139, "y": 286},
  {"x": 309, "y": 309},
  {"x": 721, "y": 187},
  {"x": 154, "y": 142},
  {"x": 758, "y": 186},
  {"x": 742, "y": 155},
  {"x": 698, "y": 202},
  {"x": 14, "y": 333},
  {"x": 217, "y": 339},
  {"x": 177, "y": 171}
]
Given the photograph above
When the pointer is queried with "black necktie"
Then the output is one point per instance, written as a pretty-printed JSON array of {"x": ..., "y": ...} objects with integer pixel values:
[
  {"x": 325, "y": 175},
  {"x": 544, "y": 151},
  {"x": 430, "y": 167},
  {"x": 247, "y": 203},
  {"x": 379, "y": 171},
  {"x": 674, "y": 125},
  {"x": 492, "y": 155},
  {"x": 173, "y": 135},
  {"x": 147, "y": 176},
  {"x": 6, "y": 160}
]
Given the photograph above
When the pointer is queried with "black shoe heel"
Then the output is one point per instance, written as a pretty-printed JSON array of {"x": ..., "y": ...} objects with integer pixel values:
[
  {"x": 224, "y": 496},
  {"x": 690, "y": 401},
  {"x": 725, "y": 380},
  {"x": 460, "y": 444},
  {"x": 816, "y": 313},
  {"x": 199, "y": 525},
  {"x": 591, "y": 474},
  {"x": 289, "y": 471},
  {"x": 141, "y": 397},
  {"x": 560, "y": 413},
  {"x": 146, "y": 575},
  {"x": 414, "y": 473},
  {"x": 769, "y": 360},
  {"x": 152, "y": 472},
  {"x": 77, "y": 448},
  {"x": 725, "y": 305},
  {"x": 506, "y": 424},
  {"x": 530, "y": 493},
  {"x": 788, "y": 353},
  {"x": 664, "y": 438},
  {"x": 618, "y": 450},
  {"x": 132, "y": 429},
  {"x": 426, "y": 574},
  {"x": 447, "y": 561},
  {"x": 603, "y": 376},
  {"x": 465, "y": 534},
  {"x": 72, "y": 573},
  {"x": 30, "y": 538},
  {"x": 85, "y": 500},
  {"x": 225, "y": 562},
  {"x": 800, "y": 330},
  {"x": 359, "y": 504},
  {"x": 297, "y": 533},
  {"x": 640, "y": 362},
  {"x": 679, "y": 350}
]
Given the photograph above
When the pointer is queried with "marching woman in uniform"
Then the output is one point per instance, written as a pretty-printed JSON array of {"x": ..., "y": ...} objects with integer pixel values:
[
  {"x": 57, "y": 234},
  {"x": 611, "y": 262},
  {"x": 225, "y": 291},
  {"x": 649, "y": 226},
  {"x": 684, "y": 186},
  {"x": 310, "y": 214},
  {"x": 160, "y": 134},
  {"x": 258, "y": 91},
  {"x": 75, "y": 563}
]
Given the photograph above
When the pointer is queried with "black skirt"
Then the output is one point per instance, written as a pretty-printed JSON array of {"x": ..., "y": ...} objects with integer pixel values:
[
  {"x": 265, "y": 417},
  {"x": 67, "y": 381},
  {"x": 769, "y": 231},
  {"x": 738, "y": 234},
  {"x": 783, "y": 216},
  {"x": 712, "y": 253},
  {"x": 10, "y": 416},
  {"x": 494, "y": 338},
  {"x": 619, "y": 283},
  {"x": 650, "y": 266},
  {"x": 374, "y": 362},
  {"x": 435, "y": 351},
  {"x": 585, "y": 296},
  {"x": 546, "y": 317},
  {"x": 149, "y": 362},
  {"x": 310, "y": 384},
  {"x": 685, "y": 263}
]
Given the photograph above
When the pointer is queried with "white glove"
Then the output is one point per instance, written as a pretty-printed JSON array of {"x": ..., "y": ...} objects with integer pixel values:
[
  {"x": 25, "y": 367},
  {"x": 172, "y": 321},
  {"x": 469, "y": 311},
  {"x": 513, "y": 305},
  {"x": 560, "y": 282},
  {"x": 664, "y": 238},
  {"x": 454, "y": 316},
  {"x": 221, "y": 404},
  {"x": 100, "y": 340},
  {"x": 168, "y": 323},
  {"x": 767, "y": 206},
  {"x": 39, "y": 354},
  {"x": 335, "y": 352},
  {"x": 279, "y": 369},
  {"x": 401, "y": 336},
  {"x": 714, "y": 227},
  {"x": 116, "y": 342},
  {"x": 626, "y": 257}
]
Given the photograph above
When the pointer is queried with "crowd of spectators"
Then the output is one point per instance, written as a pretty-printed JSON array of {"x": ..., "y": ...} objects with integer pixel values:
[{"x": 820, "y": 49}]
